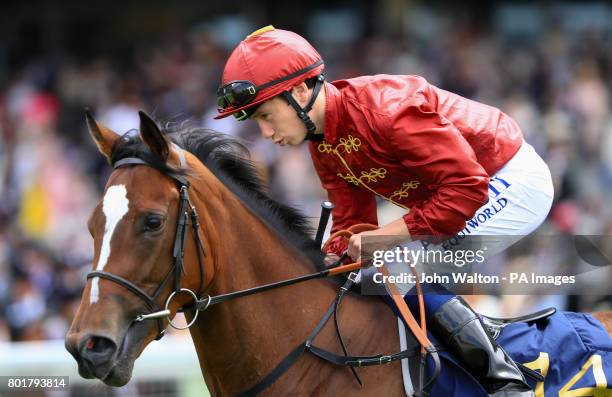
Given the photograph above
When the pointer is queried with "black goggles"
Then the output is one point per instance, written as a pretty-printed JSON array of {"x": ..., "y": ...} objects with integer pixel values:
[{"x": 236, "y": 94}]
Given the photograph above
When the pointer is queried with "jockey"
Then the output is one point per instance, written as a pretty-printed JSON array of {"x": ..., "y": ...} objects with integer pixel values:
[{"x": 442, "y": 157}]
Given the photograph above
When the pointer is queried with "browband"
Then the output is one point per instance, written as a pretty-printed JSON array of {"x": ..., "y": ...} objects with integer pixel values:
[
  {"x": 138, "y": 161},
  {"x": 129, "y": 161}
]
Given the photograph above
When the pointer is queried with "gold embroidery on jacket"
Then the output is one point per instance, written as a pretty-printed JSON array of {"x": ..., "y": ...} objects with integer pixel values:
[
  {"x": 350, "y": 178},
  {"x": 403, "y": 192},
  {"x": 349, "y": 144},
  {"x": 325, "y": 147},
  {"x": 372, "y": 176}
]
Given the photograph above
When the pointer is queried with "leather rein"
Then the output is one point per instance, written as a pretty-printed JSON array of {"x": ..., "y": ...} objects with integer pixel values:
[{"x": 187, "y": 210}]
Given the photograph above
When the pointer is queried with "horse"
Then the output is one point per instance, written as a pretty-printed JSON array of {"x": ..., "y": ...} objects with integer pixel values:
[{"x": 241, "y": 239}]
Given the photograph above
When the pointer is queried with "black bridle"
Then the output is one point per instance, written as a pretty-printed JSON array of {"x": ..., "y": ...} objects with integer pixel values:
[{"x": 186, "y": 209}]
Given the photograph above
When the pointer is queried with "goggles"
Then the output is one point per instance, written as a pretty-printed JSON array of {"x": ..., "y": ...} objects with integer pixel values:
[{"x": 237, "y": 94}]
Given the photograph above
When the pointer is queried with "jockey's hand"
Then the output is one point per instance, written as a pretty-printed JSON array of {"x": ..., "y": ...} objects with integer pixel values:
[
  {"x": 354, "y": 247},
  {"x": 330, "y": 259},
  {"x": 396, "y": 231}
]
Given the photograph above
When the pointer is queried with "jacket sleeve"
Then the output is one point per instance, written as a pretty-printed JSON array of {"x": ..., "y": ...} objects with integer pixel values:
[
  {"x": 434, "y": 150},
  {"x": 351, "y": 204}
]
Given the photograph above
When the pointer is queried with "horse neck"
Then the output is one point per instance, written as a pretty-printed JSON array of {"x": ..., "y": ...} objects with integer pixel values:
[{"x": 241, "y": 340}]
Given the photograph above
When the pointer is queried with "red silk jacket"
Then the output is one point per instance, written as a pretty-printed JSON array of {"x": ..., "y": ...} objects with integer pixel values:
[{"x": 406, "y": 141}]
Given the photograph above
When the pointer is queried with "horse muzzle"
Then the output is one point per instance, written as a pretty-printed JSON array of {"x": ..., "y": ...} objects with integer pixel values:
[
  {"x": 95, "y": 354},
  {"x": 104, "y": 357}
]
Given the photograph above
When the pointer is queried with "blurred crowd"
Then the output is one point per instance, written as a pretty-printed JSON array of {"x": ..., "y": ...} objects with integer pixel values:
[{"x": 556, "y": 83}]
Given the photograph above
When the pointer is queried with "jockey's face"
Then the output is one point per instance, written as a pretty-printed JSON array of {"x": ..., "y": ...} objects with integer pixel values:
[{"x": 278, "y": 121}]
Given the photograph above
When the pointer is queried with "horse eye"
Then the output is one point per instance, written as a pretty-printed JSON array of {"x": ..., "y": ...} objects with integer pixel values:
[{"x": 153, "y": 222}]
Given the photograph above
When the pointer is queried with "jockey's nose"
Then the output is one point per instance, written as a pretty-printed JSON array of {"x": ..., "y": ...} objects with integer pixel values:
[{"x": 266, "y": 131}]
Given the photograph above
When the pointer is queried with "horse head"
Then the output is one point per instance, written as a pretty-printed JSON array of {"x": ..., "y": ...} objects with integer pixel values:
[{"x": 139, "y": 248}]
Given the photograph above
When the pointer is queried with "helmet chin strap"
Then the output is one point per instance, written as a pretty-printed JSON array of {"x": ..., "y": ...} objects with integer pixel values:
[{"x": 303, "y": 112}]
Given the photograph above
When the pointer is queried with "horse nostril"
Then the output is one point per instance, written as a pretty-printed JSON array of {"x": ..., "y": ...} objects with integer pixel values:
[
  {"x": 99, "y": 345},
  {"x": 98, "y": 350}
]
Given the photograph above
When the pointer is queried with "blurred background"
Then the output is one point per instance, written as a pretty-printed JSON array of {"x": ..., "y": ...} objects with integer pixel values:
[{"x": 548, "y": 65}]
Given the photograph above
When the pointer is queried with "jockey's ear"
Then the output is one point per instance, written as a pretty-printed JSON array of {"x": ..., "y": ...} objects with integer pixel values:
[
  {"x": 152, "y": 136},
  {"x": 300, "y": 93},
  {"x": 103, "y": 136}
]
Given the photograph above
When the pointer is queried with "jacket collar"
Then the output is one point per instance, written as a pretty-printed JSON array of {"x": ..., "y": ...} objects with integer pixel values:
[{"x": 333, "y": 113}]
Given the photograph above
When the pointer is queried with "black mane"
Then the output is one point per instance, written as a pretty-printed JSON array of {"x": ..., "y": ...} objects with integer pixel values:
[{"x": 229, "y": 161}]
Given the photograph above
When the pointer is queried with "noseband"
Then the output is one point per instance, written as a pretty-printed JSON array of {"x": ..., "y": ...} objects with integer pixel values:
[{"x": 186, "y": 209}]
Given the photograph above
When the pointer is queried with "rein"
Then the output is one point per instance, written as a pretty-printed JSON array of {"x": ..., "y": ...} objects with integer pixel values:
[{"x": 186, "y": 209}]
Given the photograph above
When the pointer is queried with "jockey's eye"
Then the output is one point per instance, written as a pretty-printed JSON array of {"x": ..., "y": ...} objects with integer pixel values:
[{"x": 153, "y": 222}]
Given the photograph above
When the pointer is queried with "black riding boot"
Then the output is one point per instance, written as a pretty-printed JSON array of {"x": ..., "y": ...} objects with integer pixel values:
[{"x": 456, "y": 324}]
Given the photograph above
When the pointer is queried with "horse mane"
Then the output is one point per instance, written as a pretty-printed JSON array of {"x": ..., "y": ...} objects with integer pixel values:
[{"x": 229, "y": 160}]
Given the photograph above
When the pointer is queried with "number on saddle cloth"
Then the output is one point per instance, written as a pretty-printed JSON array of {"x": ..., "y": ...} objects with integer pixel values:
[{"x": 571, "y": 350}]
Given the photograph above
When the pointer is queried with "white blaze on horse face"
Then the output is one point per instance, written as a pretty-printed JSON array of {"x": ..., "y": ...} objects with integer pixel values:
[{"x": 114, "y": 206}]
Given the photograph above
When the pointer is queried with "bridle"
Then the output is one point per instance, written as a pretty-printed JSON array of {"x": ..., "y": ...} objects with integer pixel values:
[{"x": 186, "y": 209}]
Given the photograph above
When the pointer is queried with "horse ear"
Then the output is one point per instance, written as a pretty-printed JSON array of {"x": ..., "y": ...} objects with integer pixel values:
[
  {"x": 104, "y": 137},
  {"x": 152, "y": 136}
]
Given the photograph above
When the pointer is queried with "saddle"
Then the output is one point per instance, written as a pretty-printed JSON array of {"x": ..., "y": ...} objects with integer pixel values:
[{"x": 495, "y": 325}]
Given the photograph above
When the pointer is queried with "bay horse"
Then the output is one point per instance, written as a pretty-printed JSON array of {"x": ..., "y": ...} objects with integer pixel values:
[{"x": 241, "y": 239}]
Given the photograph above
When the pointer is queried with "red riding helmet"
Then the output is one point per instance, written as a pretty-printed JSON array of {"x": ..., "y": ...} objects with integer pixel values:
[{"x": 266, "y": 63}]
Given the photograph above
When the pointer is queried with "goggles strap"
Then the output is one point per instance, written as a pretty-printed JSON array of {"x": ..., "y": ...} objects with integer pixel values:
[{"x": 303, "y": 112}]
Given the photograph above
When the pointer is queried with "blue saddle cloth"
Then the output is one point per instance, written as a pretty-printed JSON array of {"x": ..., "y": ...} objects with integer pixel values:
[{"x": 571, "y": 350}]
